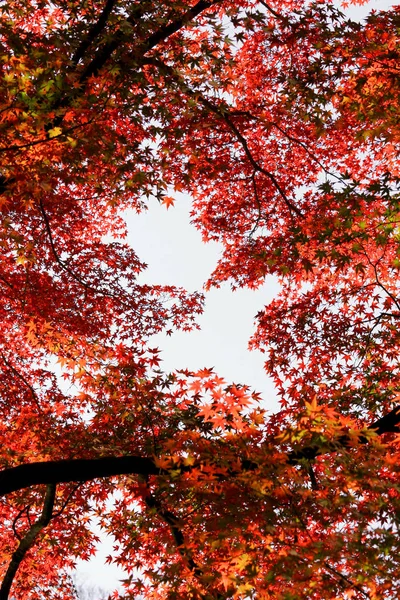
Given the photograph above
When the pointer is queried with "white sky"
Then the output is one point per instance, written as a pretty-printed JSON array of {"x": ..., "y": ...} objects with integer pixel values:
[
  {"x": 175, "y": 253},
  {"x": 172, "y": 247}
]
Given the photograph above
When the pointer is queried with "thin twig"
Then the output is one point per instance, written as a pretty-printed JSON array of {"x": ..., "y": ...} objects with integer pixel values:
[
  {"x": 257, "y": 199},
  {"x": 22, "y": 378},
  {"x": 347, "y": 580},
  {"x": 256, "y": 166},
  {"x": 17, "y": 518},
  {"x": 225, "y": 116},
  {"x": 68, "y": 498},
  {"x": 62, "y": 264},
  {"x": 272, "y": 11}
]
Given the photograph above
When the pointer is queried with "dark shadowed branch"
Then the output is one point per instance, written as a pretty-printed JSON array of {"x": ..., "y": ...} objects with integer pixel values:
[
  {"x": 28, "y": 541},
  {"x": 80, "y": 469}
]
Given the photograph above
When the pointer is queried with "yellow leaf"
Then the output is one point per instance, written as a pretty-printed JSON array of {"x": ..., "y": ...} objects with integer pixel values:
[
  {"x": 56, "y": 131},
  {"x": 243, "y": 560},
  {"x": 22, "y": 260},
  {"x": 313, "y": 405},
  {"x": 72, "y": 142}
]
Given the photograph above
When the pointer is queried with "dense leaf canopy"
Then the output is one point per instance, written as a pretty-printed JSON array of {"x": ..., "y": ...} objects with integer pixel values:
[{"x": 281, "y": 120}]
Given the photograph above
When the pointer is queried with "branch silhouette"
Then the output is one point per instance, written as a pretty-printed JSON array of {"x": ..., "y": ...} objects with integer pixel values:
[{"x": 87, "y": 469}]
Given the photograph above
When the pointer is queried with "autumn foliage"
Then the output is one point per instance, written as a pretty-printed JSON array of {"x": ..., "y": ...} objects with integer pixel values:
[{"x": 281, "y": 120}]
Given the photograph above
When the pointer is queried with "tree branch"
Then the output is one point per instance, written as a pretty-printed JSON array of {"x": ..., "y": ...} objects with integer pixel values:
[
  {"x": 81, "y": 469},
  {"x": 28, "y": 541},
  {"x": 94, "y": 31},
  {"x": 22, "y": 378},
  {"x": 104, "y": 53},
  {"x": 174, "y": 26},
  {"x": 62, "y": 264},
  {"x": 224, "y": 114},
  {"x": 168, "y": 517},
  {"x": 273, "y": 12},
  {"x": 174, "y": 524},
  {"x": 390, "y": 423},
  {"x": 155, "y": 38}
]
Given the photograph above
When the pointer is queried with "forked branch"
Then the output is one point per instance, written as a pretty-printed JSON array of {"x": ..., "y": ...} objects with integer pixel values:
[{"x": 28, "y": 541}]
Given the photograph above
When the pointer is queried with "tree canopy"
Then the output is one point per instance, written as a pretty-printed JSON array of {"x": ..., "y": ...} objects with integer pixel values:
[{"x": 281, "y": 120}]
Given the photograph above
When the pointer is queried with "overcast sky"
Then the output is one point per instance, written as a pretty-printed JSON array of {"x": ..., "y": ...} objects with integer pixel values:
[{"x": 175, "y": 254}]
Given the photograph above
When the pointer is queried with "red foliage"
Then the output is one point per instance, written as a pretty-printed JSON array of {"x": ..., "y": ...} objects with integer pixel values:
[{"x": 281, "y": 120}]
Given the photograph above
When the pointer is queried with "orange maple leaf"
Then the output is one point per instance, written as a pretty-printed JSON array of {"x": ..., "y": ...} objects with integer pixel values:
[{"x": 168, "y": 201}]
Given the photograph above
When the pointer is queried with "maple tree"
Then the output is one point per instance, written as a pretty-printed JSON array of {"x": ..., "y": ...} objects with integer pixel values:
[{"x": 281, "y": 120}]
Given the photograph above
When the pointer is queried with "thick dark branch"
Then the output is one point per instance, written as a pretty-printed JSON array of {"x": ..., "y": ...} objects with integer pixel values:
[
  {"x": 273, "y": 12},
  {"x": 105, "y": 53},
  {"x": 28, "y": 541},
  {"x": 80, "y": 469},
  {"x": 387, "y": 424},
  {"x": 174, "y": 26},
  {"x": 94, "y": 31}
]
